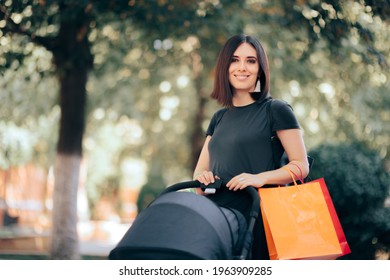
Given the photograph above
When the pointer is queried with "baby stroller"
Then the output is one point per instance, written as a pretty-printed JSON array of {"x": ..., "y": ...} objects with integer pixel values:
[{"x": 181, "y": 225}]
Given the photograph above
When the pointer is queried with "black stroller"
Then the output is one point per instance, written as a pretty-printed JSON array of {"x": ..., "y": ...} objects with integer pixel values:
[{"x": 181, "y": 225}]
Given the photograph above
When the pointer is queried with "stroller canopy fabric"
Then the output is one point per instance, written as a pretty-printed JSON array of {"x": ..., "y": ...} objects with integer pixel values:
[{"x": 182, "y": 225}]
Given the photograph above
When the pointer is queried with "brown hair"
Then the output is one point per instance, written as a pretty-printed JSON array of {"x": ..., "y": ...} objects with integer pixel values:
[{"x": 222, "y": 90}]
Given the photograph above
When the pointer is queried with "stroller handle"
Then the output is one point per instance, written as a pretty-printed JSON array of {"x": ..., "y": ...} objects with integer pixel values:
[
  {"x": 188, "y": 185},
  {"x": 196, "y": 184}
]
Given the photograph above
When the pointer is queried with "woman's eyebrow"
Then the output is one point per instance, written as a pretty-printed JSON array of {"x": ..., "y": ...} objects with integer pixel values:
[{"x": 253, "y": 57}]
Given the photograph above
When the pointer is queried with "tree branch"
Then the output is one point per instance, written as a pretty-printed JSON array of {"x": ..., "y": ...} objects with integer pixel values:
[{"x": 12, "y": 27}]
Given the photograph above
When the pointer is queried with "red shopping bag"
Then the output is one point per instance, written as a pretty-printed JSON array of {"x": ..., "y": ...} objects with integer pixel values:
[
  {"x": 336, "y": 222},
  {"x": 299, "y": 224}
]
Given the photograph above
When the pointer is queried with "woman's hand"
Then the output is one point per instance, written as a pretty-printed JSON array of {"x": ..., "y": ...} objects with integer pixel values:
[
  {"x": 205, "y": 177},
  {"x": 244, "y": 180}
]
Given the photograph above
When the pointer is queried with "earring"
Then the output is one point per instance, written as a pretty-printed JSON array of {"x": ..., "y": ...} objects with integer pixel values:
[{"x": 258, "y": 86}]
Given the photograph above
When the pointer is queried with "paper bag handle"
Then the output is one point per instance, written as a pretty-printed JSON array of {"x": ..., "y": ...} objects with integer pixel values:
[
  {"x": 293, "y": 175},
  {"x": 300, "y": 178}
]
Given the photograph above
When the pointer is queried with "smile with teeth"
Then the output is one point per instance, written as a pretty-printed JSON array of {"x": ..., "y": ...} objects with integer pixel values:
[{"x": 241, "y": 77}]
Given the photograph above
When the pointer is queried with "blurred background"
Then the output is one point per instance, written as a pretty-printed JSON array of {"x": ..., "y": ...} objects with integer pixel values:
[{"x": 123, "y": 89}]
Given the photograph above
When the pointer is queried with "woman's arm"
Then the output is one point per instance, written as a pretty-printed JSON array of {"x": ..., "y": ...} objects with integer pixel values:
[
  {"x": 201, "y": 172},
  {"x": 294, "y": 146}
]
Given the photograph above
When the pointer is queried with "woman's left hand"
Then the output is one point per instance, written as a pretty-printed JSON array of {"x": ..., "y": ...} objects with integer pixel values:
[{"x": 244, "y": 180}]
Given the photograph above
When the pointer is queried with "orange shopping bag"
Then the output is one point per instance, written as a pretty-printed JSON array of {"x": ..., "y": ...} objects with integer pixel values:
[
  {"x": 336, "y": 222},
  {"x": 298, "y": 223}
]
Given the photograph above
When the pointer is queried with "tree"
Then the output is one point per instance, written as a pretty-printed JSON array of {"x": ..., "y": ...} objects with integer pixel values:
[
  {"x": 66, "y": 29},
  {"x": 358, "y": 183},
  {"x": 72, "y": 59},
  {"x": 330, "y": 61},
  {"x": 63, "y": 27}
]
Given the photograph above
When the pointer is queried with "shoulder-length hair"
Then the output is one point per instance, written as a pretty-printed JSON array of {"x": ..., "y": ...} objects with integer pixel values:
[{"x": 223, "y": 91}]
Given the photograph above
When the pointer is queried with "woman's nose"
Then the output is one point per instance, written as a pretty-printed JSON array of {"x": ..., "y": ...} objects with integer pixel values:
[{"x": 242, "y": 66}]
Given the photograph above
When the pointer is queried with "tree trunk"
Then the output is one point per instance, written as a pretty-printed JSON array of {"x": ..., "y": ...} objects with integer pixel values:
[
  {"x": 65, "y": 244},
  {"x": 198, "y": 136},
  {"x": 73, "y": 60},
  {"x": 67, "y": 168}
]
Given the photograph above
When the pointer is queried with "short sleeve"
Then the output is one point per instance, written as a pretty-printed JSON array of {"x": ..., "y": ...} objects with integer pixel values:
[
  {"x": 214, "y": 121},
  {"x": 283, "y": 116}
]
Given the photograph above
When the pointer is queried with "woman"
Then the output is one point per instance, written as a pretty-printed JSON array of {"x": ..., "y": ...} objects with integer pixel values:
[{"x": 237, "y": 148}]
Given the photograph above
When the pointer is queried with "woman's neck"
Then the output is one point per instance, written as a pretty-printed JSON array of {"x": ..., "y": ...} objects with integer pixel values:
[{"x": 242, "y": 99}]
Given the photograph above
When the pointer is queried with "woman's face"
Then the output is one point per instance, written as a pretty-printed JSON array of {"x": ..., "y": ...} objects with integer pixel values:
[{"x": 243, "y": 69}]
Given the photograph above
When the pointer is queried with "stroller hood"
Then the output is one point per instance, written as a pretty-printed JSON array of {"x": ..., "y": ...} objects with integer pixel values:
[{"x": 169, "y": 229}]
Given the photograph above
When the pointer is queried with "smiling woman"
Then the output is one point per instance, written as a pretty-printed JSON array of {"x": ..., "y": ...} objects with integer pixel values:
[
  {"x": 243, "y": 74},
  {"x": 237, "y": 148}
]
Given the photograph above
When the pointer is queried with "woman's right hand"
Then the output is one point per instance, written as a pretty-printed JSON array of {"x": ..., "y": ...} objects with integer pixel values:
[{"x": 205, "y": 177}]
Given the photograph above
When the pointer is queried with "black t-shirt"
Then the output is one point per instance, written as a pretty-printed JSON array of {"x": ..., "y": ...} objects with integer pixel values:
[
  {"x": 241, "y": 142},
  {"x": 241, "y": 137}
]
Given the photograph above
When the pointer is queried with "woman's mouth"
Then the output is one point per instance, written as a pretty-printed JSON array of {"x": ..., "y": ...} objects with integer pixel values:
[{"x": 241, "y": 77}]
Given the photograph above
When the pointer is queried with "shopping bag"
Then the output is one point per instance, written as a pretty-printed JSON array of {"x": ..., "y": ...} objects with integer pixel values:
[
  {"x": 345, "y": 249},
  {"x": 336, "y": 222},
  {"x": 298, "y": 223}
]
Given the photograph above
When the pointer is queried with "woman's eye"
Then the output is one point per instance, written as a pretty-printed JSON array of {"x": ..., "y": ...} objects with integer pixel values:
[
  {"x": 234, "y": 59},
  {"x": 252, "y": 61}
]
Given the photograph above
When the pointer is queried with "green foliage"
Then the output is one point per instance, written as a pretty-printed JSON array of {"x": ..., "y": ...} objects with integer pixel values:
[
  {"x": 102, "y": 161},
  {"x": 334, "y": 23},
  {"x": 31, "y": 140},
  {"x": 16, "y": 145},
  {"x": 359, "y": 184},
  {"x": 328, "y": 59},
  {"x": 147, "y": 194},
  {"x": 154, "y": 186}
]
